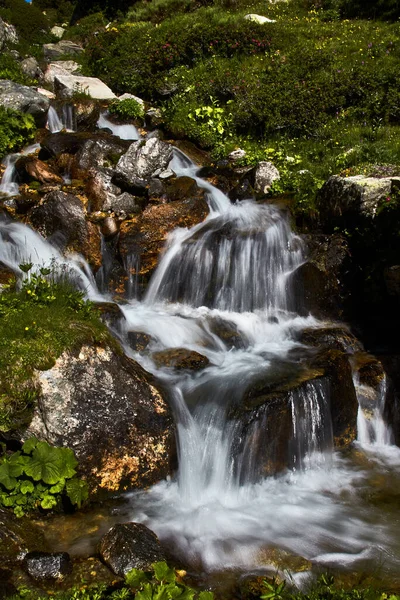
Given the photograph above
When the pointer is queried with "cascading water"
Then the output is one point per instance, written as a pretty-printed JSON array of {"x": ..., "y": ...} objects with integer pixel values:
[
  {"x": 67, "y": 122},
  {"x": 9, "y": 185},
  {"x": 232, "y": 273},
  {"x": 125, "y": 132}
]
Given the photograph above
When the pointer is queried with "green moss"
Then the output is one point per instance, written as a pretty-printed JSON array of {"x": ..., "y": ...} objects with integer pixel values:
[{"x": 37, "y": 325}]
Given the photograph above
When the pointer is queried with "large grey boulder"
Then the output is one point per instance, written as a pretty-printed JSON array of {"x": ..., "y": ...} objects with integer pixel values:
[
  {"x": 128, "y": 546},
  {"x": 140, "y": 161},
  {"x": 61, "y": 49},
  {"x": 111, "y": 412},
  {"x": 354, "y": 197},
  {"x": 61, "y": 67},
  {"x": 66, "y": 85},
  {"x": 25, "y": 99}
]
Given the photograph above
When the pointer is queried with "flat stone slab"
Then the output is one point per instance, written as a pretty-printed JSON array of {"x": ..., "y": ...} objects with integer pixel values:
[{"x": 67, "y": 85}]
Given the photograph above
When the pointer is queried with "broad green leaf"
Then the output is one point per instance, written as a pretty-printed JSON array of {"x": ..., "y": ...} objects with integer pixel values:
[
  {"x": 30, "y": 445},
  {"x": 8, "y": 476},
  {"x": 48, "y": 501},
  {"x": 77, "y": 491},
  {"x": 44, "y": 464},
  {"x": 26, "y": 487},
  {"x": 146, "y": 593},
  {"x": 163, "y": 572},
  {"x": 135, "y": 578},
  {"x": 206, "y": 596},
  {"x": 8, "y": 500},
  {"x": 67, "y": 462},
  {"x": 186, "y": 594},
  {"x": 58, "y": 487},
  {"x": 20, "y": 499}
]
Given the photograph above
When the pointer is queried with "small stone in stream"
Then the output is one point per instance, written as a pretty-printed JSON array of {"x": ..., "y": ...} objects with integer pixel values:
[
  {"x": 47, "y": 565},
  {"x": 128, "y": 546}
]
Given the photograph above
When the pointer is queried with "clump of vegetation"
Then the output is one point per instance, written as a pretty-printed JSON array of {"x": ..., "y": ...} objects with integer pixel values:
[
  {"x": 39, "y": 476},
  {"x": 37, "y": 324},
  {"x": 16, "y": 130},
  {"x": 31, "y": 23},
  {"x": 10, "y": 69},
  {"x": 126, "y": 109}
]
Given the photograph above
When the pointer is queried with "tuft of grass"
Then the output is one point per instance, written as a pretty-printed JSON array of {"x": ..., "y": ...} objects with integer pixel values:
[{"x": 38, "y": 324}]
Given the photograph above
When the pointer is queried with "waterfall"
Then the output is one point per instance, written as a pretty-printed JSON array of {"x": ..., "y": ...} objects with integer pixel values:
[
  {"x": 9, "y": 185},
  {"x": 125, "y": 132},
  {"x": 250, "y": 478},
  {"x": 371, "y": 425},
  {"x": 68, "y": 120}
]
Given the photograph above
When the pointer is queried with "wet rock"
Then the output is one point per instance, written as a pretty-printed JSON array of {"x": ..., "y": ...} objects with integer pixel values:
[
  {"x": 100, "y": 190},
  {"x": 7, "y": 589},
  {"x": 47, "y": 565},
  {"x": 126, "y": 204},
  {"x": 66, "y": 86},
  {"x": 18, "y": 537},
  {"x": 264, "y": 175},
  {"x": 344, "y": 405},
  {"x": 145, "y": 235},
  {"x": 31, "y": 68},
  {"x": 227, "y": 332},
  {"x": 141, "y": 160},
  {"x": 62, "y": 216},
  {"x": 242, "y": 191},
  {"x": 266, "y": 415},
  {"x": 319, "y": 283},
  {"x": 100, "y": 151},
  {"x": 337, "y": 338},
  {"x": 198, "y": 156},
  {"x": 25, "y": 99},
  {"x": 61, "y": 49},
  {"x": 180, "y": 358},
  {"x": 31, "y": 168},
  {"x": 370, "y": 370},
  {"x": 154, "y": 118},
  {"x": 138, "y": 341},
  {"x": 180, "y": 188},
  {"x": 109, "y": 227},
  {"x": 130, "y": 546},
  {"x": 62, "y": 143},
  {"x": 111, "y": 413}
]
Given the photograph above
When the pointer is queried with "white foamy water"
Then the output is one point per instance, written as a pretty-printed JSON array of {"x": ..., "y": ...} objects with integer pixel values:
[
  {"x": 67, "y": 120},
  {"x": 124, "y": 132},
  {"x": 9, "y": 185}
]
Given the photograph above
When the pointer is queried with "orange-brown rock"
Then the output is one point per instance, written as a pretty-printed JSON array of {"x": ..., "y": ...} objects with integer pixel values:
[
  {"x": 180, "y": 358},
  {"x": 30, "y": 167},
  {"x": 146, "y": 234}
]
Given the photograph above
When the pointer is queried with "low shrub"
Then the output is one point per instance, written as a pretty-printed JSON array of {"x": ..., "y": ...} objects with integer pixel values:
[
  {"x": 39, "y": 476},
  {"x": 126, "y": 109},
  {"x": 10, "y": 69},
  {"x": 16, "y": 130}
]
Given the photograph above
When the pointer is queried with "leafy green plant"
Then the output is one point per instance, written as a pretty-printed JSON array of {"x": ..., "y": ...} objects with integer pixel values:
[
  {"x": 126, "y": 109},
  {"x": 162, "y": 584},
  {"x": 38, "y": 476},
  {"x": 16, "y": 130}
]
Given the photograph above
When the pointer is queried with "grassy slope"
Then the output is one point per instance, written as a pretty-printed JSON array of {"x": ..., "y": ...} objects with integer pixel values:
[{"x": 323, "y": 93}]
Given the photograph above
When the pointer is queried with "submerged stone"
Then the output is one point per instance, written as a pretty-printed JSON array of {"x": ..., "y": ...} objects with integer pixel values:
[
  {"x": 130, "y": 546},
  {"x": 180, "y": 358}
]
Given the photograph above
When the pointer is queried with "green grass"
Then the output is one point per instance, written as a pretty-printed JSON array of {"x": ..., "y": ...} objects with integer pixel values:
[{"x": 37, "y": 325}]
